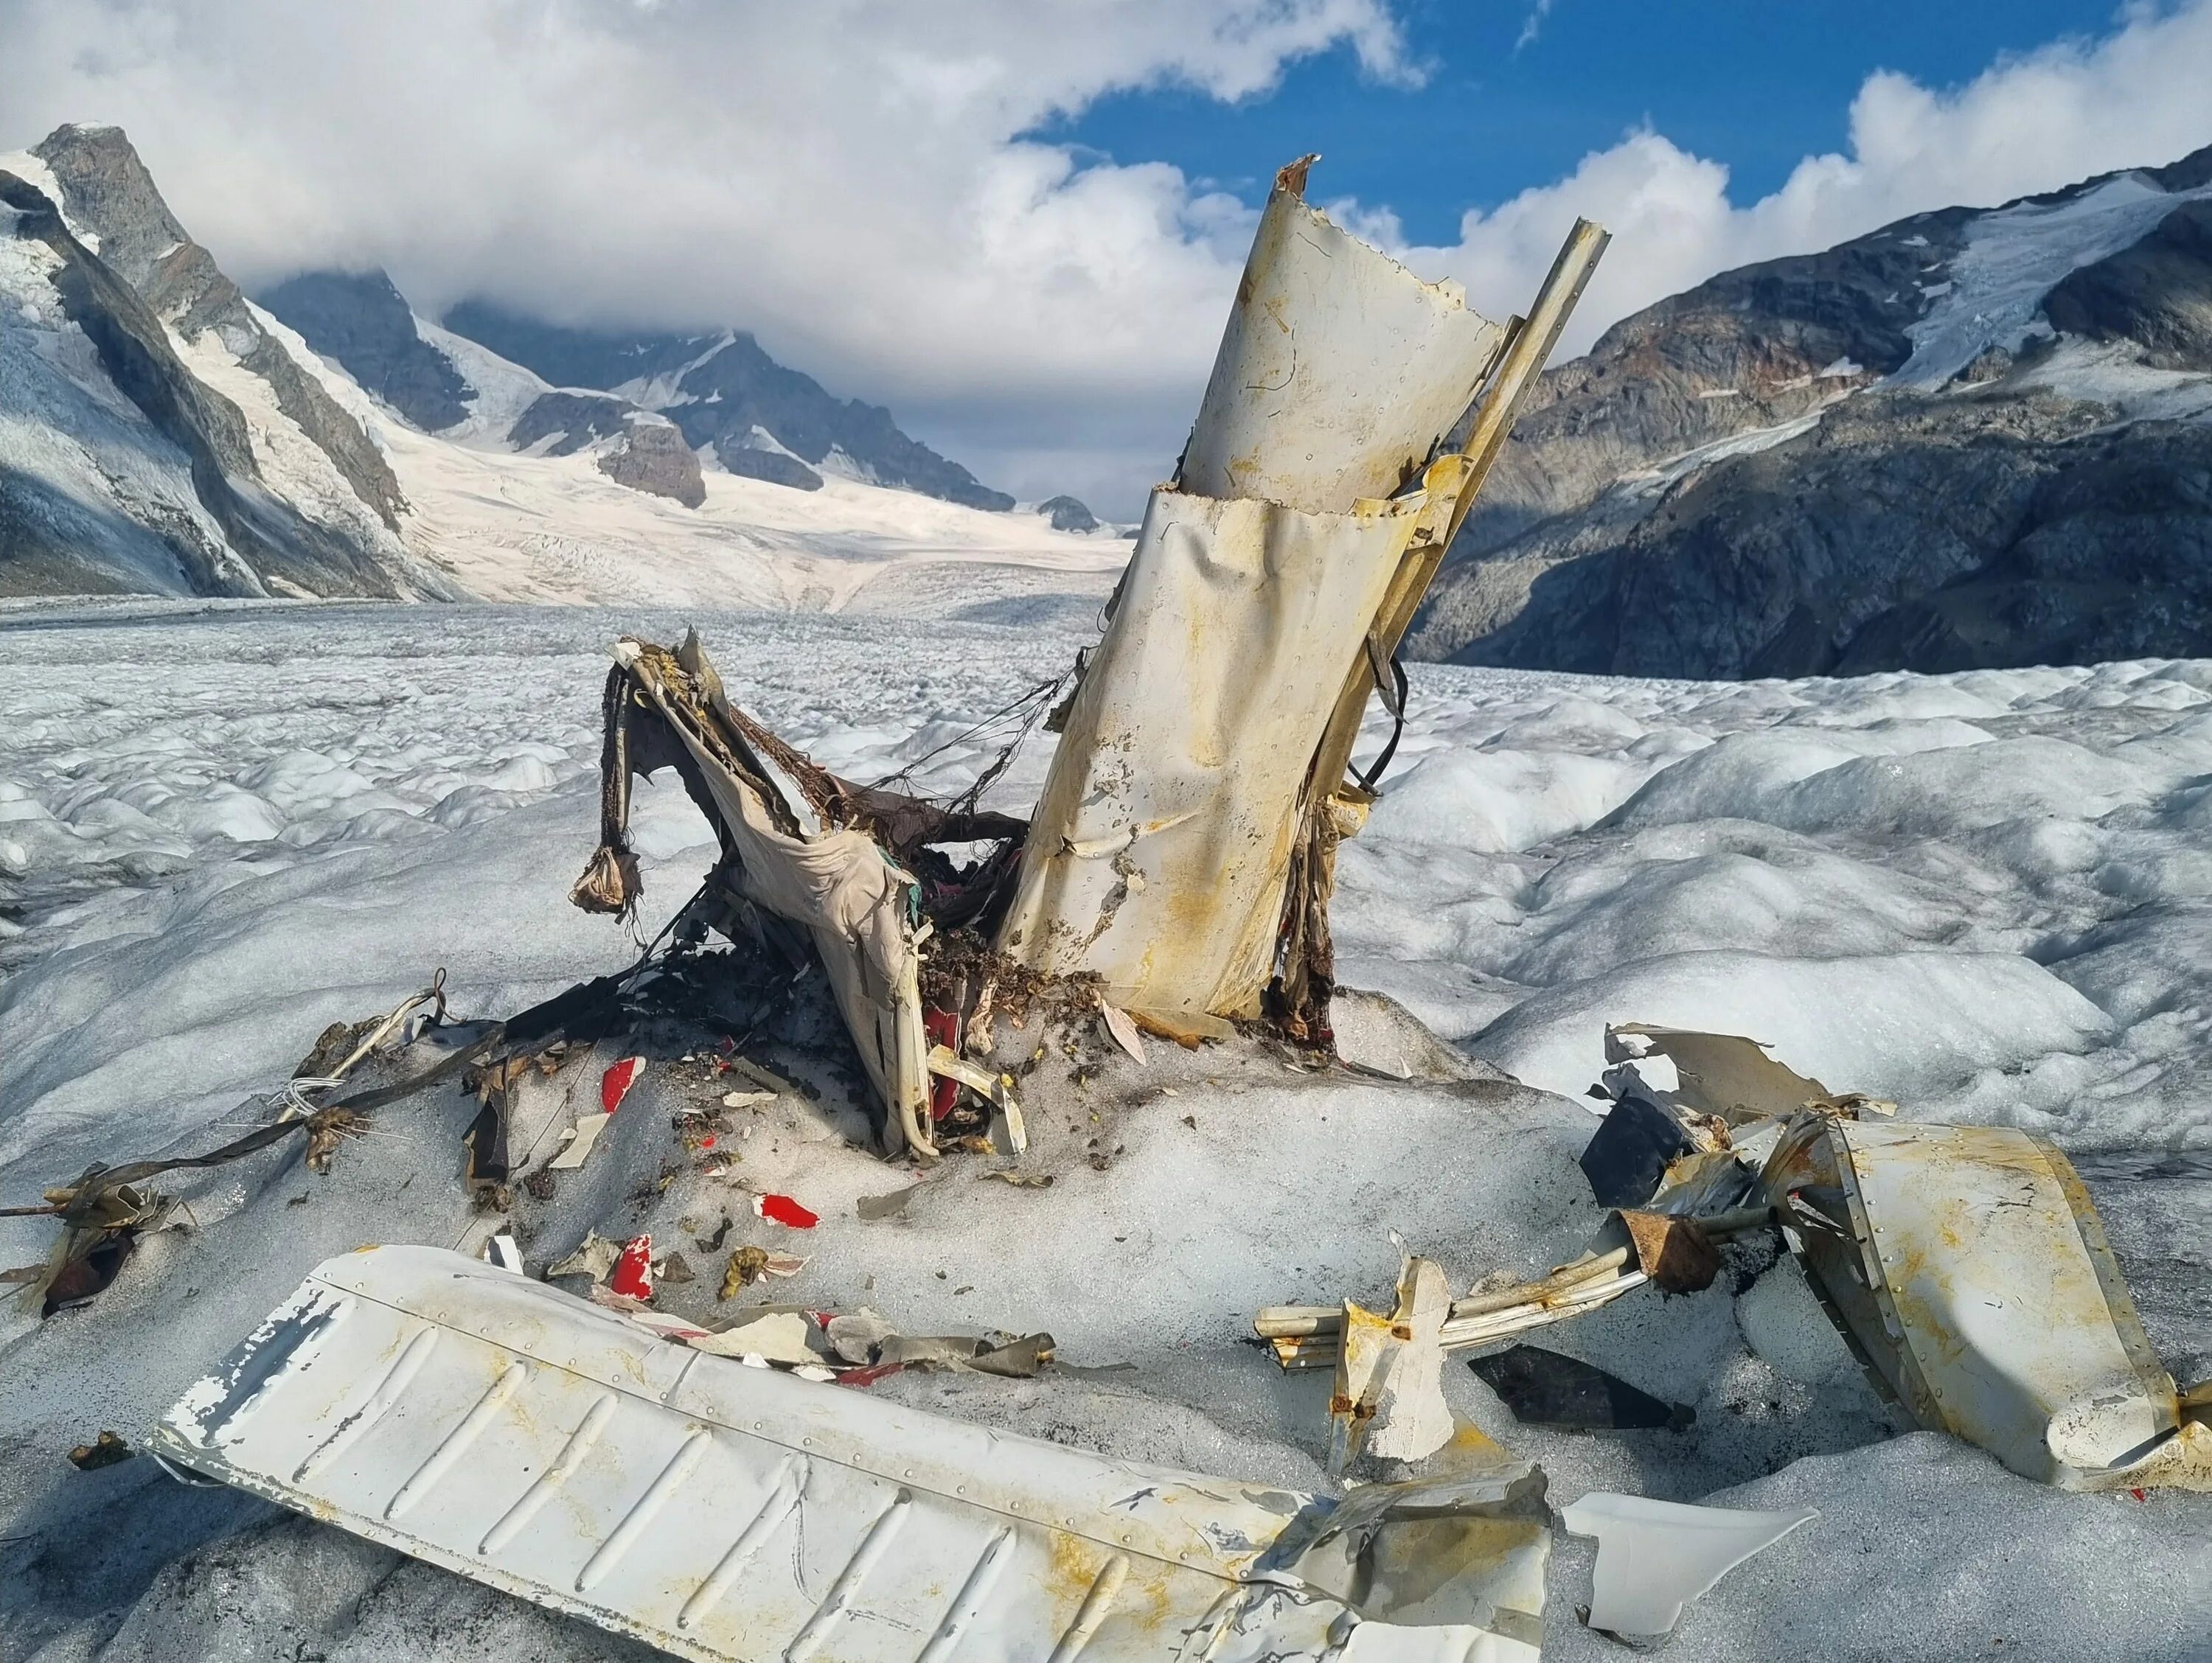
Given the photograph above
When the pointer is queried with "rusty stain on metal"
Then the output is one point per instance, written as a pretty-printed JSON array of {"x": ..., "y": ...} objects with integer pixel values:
[{"x": 1971, "y": 1275}]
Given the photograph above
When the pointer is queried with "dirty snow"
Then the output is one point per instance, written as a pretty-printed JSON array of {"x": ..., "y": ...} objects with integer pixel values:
[{"x": 223, "y": 825}]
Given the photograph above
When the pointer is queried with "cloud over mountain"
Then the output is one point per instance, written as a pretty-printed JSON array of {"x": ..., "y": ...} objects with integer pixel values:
[{"x": 850, "y": 178}]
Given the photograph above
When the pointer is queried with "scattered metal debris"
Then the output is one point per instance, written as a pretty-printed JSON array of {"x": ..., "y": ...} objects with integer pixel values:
[
  {"x": 1390, "y": 1394},
  {"x": 748, "y": 1264},
  {"x": 1310, "y": 1336},
  {"x": 874, "y": 1207},
  {"x": 595, "y": 1258},
  {"x": 106, "y": 1450},
  {"x": 577, "y": 1145},
  {"x": 1629, "y": 1153},
  {"x": 782, "y": 1210}
]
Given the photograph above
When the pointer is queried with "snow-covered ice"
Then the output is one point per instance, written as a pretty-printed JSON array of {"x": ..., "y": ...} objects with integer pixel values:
[{"x": 223, "y": 825}]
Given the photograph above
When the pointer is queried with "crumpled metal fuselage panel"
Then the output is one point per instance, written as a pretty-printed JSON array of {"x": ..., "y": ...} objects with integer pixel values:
[
  {"x": 1158, "y": 854},
  {"x": 554, "y": 1449},
  {"x": 855, "y": 905},
  {"x": 1978, "y": 1286}
]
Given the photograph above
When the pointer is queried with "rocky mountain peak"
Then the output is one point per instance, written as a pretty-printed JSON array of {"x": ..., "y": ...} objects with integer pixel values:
[
  {"x": 108, "y": 191},
  {"x": 1891, "y": 453},
  {"x": 725, "y": 392},
  {"x": 360, "y": 319}
]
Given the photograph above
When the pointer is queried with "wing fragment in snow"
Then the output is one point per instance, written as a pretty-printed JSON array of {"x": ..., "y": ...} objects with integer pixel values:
[{"x": 555, "y": 1450}]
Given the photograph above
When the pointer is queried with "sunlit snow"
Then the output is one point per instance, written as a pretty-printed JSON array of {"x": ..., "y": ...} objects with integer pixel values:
[{"x": 225, "y": 825}]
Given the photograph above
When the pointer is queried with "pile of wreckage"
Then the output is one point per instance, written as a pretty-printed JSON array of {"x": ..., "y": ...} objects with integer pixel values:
[{"x": 713, "y": 1487}]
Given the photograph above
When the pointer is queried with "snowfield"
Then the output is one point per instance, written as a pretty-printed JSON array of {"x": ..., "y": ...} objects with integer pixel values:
[{"x": 1987, "y": 895}]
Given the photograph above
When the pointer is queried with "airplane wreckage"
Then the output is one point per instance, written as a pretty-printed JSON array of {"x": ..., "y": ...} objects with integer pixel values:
[{"x": 712, "y": 1488}]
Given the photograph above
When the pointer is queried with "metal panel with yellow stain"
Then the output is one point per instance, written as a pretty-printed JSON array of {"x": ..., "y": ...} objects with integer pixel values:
[
  {"x": 1973, "y": 1277},
  {"x": 1339, "y": 371},
  {"x": 1269, "y": 586},
  {"x": 1158, "y": 852},
  {"x": 555, "y": 1450}
]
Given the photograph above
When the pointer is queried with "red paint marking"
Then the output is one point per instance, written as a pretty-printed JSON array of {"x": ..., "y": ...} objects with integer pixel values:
[
  {"x": 706, "y": 1141},
  {"x": 782, "y": 1210},
  {"x": 633, "y": 1275},
  {"x": 2138, "y": 1494},
  {"x": 868, "y": 1376},
  {"x": 943, "y": 1028},
  {"x": 614, "y": 1083}
]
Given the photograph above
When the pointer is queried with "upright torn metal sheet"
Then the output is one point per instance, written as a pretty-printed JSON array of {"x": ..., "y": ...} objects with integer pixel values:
[
  {"x": 1339, "y": 371},
  {"x": 1214, "y": 722},
  {"x": 554, "y": 1449},
  {"x": 856, "y": 905},
  {"x": 1157, "y": 854}
]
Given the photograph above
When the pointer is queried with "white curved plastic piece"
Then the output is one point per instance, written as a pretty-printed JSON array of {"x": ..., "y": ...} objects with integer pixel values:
[
  {"x": 558, "y": 1451},
  {"x": 1653, "y": 1557}
]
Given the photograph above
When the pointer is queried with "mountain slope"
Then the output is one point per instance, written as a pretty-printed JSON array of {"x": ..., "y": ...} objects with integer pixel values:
[
  {"x": 1968, "y": 439},
  {"x": 160, "y": 433},
  {"x": 155, "y": 435},
  {"x": 728, "y": 396},
  {"x": 106, "y": 189},
  {"x": 439, "y": 384}
]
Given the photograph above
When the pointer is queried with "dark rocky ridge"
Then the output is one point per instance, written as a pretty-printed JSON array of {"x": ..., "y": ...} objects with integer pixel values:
[
  {"x": 646, "y": 453},
  {"x": 776, "y": 467},
  {"x": 724, "y": 386},
  {"x": 1994, "y": 521},
  {"x": 208, "y": 429},
  {"x": 1068, "y": 513},
  {"x": 362, "y": 321},
  {"x": 2157, "y": 294},
  {"x": 107, "y": 189}
]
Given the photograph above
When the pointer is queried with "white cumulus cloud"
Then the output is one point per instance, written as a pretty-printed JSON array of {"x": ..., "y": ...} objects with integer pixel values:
[{"x": 850, "y": 178}]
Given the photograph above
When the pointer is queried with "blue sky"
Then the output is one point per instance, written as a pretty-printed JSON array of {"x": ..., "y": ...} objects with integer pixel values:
[{"x": 1757, "y": 87}]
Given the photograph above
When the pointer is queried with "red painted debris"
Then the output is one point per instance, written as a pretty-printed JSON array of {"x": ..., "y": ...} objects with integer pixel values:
[
  {"x": 943, "y": 1028},
  {"x": 614, "y": 1083},
  {"x": 782, "y": 1210},
  {"x": 633, "y": 1275},
  {"x": 2138, "y": 1494},
  {"x": 706, "y": 1141},
  {"x": 869, "y": 1376}
]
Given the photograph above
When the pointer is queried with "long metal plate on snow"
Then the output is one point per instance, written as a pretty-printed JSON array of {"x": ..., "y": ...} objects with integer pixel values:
[{"x": 503, "y": 1430}]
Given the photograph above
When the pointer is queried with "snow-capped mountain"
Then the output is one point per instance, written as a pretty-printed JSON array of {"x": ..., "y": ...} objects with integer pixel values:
[
  {"x": 440, "y": 384},
  {"x": 1972, "y": 438},
  {"x": 158, "y": 433},
  {"x": 728, "y": 396}
]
